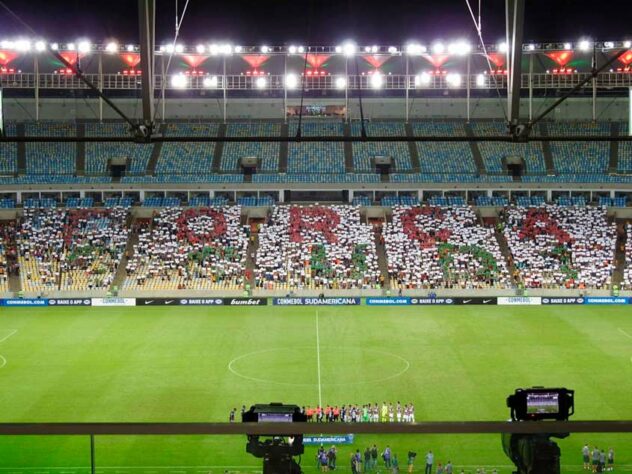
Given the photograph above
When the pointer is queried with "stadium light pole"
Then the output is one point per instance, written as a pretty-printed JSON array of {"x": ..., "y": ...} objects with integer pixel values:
[
  {"x": 346, "y": 89},
  {"x": 467, "y": 87},
  {"x": 406, "y": 103},
  {"x": 36, "y": 66},
  {"x": 531, "y": 56},
  {"x": 100, "y": 72},
  {"x": 514, "y": 11},
  {"x": 594, "y": 83},
  {"x": 224, "y": 89},
  {"x": 630, "y": 112}
]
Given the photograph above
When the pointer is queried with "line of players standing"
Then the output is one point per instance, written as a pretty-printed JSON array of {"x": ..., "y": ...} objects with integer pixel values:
[
  {"x": 598, "y": 460},
  {"x": 362, "y": 413}
]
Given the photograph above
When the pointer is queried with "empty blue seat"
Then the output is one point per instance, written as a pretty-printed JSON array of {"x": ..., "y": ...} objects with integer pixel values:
[
  {"x": 266, "y": 152},
  {"x": 363, "y": 153}
]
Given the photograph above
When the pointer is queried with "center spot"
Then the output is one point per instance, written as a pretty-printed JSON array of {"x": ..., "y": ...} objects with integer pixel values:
[{"x": 297, "y": 366}]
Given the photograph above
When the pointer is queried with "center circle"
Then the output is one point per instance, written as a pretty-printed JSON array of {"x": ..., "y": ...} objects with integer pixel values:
[{"x": 298, "y": 366}]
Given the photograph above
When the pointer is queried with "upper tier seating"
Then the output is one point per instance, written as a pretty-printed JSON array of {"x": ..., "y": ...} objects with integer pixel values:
[
  {"x": 193, "y": 249},
  {"x": 184, "y": 178},
  {"x": 50, "y": 158},
  {"x": 625, "y": 150},
  {"x": 267, "y": 153},
  {"x": 316, "y": 247},
  {"x": 448, "y": 178},
  {"x": 9, "y": 152},
  {"x": 443, "y": 157},
  {"x": 494, "y": 152},
  {"x": 317, "y": 178},
  {"x": 439, "y": 247},
  {"x": 70, "y": 250},
  {"x": 580, "y": 157},
  {"x": 363, "y": 153},
  {"x": 97, "y": 154},
  {"x": 316, "y": 157},
  {"x": 187, "y": 158},
  {"x": 627, "y": 273},
  {"x": 561, "y": 246}
]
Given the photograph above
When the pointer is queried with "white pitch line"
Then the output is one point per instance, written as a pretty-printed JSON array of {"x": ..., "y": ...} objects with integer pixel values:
[
  {"x": 8, "y": 335},
  {"x": 3, "y": 361},
  {"x": 624, "y": 333},
  {"x": 320, "y": 392}
]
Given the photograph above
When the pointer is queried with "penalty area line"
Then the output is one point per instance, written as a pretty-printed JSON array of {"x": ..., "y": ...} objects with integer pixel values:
[
  {"x": 624, "y": 333},
  {"x": 13, "y": 332}
]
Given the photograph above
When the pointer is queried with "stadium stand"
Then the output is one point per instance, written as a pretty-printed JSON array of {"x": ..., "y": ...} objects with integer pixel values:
[
  {"x": 579, "y": 158},
  {"x": 267, "y": 153},
  {"x": 192, "y": 249},
  {"x": 118, "y": 202},
  {"x": 437, "y": 157},
  {"x": 494, "y": 152},
  {"x": 97, "y": 154},
  {"x": 9, "y": 152},
  {"x": 442, "y": 247},
  {"x": 627, "y": 274},
  {"x": 561, "y": 246},
  {"x": 7, "y": 236},
  {"x": 316, "y": 178},
  {"x": 187, "y": 158},
  {"x": 70, "y": 250},
  {"x": 316, "y": 157},
  {"x": 448, "y": 178},
  {"x": 363, "y": 153},
  {"x": 184, "y": 178},
  {"x": 316, "y": 248},
  {"x": 50, "y": 158},
  {"x": 7, "y": 203},
  {"x": 625, "y": 151}
]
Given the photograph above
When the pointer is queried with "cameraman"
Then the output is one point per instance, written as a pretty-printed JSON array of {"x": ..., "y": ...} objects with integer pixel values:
[{"x": 411, "y": 460}]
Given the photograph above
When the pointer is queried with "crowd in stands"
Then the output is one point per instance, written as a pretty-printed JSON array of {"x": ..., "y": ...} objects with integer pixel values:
[
  {"x": 435, "y": 247},
  {"x": 196, "y": 249},
  {"x": 561, "y": 246},
  {"x": 316, "y": 247},
  {"x": 71, "y": 250},
  {"x": 8, "y": 254},
  {"x": 627, "y": 275}
]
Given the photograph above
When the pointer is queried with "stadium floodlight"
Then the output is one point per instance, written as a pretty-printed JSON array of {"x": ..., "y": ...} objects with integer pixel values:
[
  {"x": 568, "y": 46},
  {"x": 374, "y": 49},
  {"x": 480, "y": 80},
  {"x": 438, "y": 48},
  {"x": 341, "y": 83},
  {"x": 179, "y": 81},
  {"x": 261, "y": 82},
  {"x": 265, "y": 49},
  {"x": 453, "y": 79},
  {"x": 415, "y": 49},
  {"x": 422, "y": 79},
  {"x": 608, "y": 45},
  {"x": 23, "y": 45},
  {"x": 214, "y": 49},
  {"x": 460, "y": 48},
  {"x": 392, "y": 50},
  {"x": 6, "y": 44},
  {"x": 210, "y": 82},
  {"x": 84, "y": 46},
  {"x": 349, "y": 49},
  {"x": 40, "y": 46},
  {"x": 226, "y": 49},
  {"x": 291, "y": 81},
  {"x": 376, "y": 80},
  {"x": 130, "y": 48},
  {"x": 170, "y": 48},
  {"x": 71, "y": 47},
  {"x": 238, "y": 49},
  {"x": 531, "y": 47},
  {"x": 112, "y": 47},
  {"x": 54, "y": 46},
  {"x": 301, "y": 49},
  {"x": 584, "y": 45},
  {"x": 292, "y": 49},
  {"x": 338, "y": 49},
  {"x": 367, "y": 49},
  {"x": 200, "y": 49},
  {"x": 502, "y": 47},
  {"x": 179, "y": 48}
]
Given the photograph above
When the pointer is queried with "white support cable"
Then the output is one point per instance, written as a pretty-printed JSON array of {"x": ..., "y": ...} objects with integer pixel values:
[
  {"x": 479, "y": 31},
  {"x": 172, "y": 51}
]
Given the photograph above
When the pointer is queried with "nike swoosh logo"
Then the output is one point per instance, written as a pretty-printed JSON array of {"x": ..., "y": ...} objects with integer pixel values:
[
  {"x": 486, "y": 301},
  {"x": 168, "y": 301},
  {"x": 466, "y": 301},
  {"x": 149, "y": 302}
]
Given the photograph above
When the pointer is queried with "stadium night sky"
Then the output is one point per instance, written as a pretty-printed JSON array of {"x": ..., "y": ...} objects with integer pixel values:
[{"x": 331, "y": 21}]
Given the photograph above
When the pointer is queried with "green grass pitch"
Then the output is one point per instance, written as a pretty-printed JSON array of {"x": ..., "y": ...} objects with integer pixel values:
[{"x": 196, "y": 363}]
